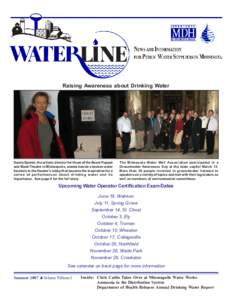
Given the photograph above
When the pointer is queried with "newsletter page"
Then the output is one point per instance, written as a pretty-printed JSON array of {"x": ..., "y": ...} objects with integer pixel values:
[{"x": 115, "y": 152}]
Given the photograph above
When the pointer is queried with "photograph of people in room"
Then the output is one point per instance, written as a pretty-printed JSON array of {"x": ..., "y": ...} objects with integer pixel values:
[
  {"x": 166, "y": 128},
  {"x": 177, "y": 131}
]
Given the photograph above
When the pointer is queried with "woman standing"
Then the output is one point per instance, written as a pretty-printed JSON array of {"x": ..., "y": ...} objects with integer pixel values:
[
  {"x": 165, "y": 131},
  {"x": 172, "y": 126},
  {"x": 178, "y": 132},
  {"x": 139, "y": 132},
  {"x": 187, "y": 130},
  {"x": 37, "y": 135}
]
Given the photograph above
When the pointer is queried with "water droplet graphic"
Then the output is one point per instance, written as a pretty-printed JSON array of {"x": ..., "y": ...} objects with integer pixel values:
[
  {"x": 95, "y": 42},
  {"x": 207, "y": 35}
]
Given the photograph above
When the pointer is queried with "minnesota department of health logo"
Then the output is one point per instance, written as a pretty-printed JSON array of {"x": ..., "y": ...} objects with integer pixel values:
[
  {"x": 186, "y": 32},
  {"x": 207, "y": 35}
]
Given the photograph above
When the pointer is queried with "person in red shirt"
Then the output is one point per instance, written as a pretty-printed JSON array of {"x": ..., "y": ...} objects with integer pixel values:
[
  {"x": 178, "y": 131},
  {"x": 37, "y": 136}
]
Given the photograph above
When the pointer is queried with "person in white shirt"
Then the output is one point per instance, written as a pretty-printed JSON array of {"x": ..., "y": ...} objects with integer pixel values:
[
  {"x": 204, "y": 121},
  {"x": 211, "y": 128},
  {"x": 124, "y": 129}
]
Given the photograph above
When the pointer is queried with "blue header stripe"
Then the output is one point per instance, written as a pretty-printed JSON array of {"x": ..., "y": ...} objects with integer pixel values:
[
  {"x": 120, "y": 272},
  {"x": 127, "y": 17}
]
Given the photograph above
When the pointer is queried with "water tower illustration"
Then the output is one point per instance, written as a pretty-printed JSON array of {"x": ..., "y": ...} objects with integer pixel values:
[{"x": 36, "y": 18}]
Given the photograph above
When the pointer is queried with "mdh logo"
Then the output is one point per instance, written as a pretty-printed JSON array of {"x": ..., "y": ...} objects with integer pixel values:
[
  {"x": 106, "y": 57},
  {"x": 183, "y": 32}
]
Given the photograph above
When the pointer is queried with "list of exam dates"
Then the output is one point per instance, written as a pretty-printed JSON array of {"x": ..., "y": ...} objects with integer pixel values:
[{"x": 115, "y": 234}]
